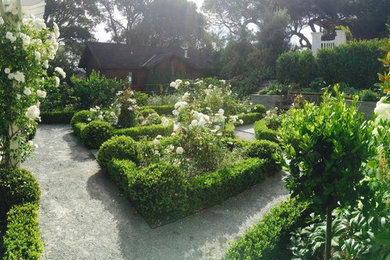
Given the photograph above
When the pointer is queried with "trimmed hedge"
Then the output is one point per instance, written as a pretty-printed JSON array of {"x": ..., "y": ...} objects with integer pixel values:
[
  {"x": 147, "y": 111},
  {"x": 78, "y": 128},
  {"x": 80, "y": 117},
  {"x": 265, "y": 149},
  {"x": 150, "y": 131},
  {"x": 162, "y": 194},
  {"x": 96, "y": 133},
  {"x": 19, "y": 203},
  {"x": 161, "y": 110},
  {"x": 57, "y": 117},
  {"x": 229, "y": 129},
  {"x": 263, "y": 132},
  {"x": 250, "y": 118},
  {"x": 22, "y": 238},
  {"x": 118, "y": 147},
  {"x": 270, "y": 237},
  {"x": 258, "y": 108},
  {"x": 355, "y": 64}
]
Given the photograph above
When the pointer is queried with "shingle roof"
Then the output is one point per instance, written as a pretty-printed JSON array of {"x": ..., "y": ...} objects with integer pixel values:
[{"x": 123, "y": 56}]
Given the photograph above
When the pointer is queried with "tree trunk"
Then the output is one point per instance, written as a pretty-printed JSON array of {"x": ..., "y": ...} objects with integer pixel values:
[{"x": 328, "y": 236}]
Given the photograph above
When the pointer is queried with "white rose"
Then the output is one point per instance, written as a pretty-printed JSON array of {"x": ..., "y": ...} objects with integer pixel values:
[
  {"x": 57, "y": 79},
  {"x": 100, "y": 117},
  {"x": 10, "y": 36},
  {"x": 38, "y": 56},
  {"x": 173, "y": 84},
  {"x": 27, "y": 91},
  {"x": 41, "y": 93},
  {"x": 156, "y": 141},
  {"x": 175, "y": 112},
  {"x": 32, "y": 112},
  {"x": 7, "y": 70},
  {"x": 60, "y": 71},
  {"x": 112, "y": 113},
  {"x": 382, "y": 110},
  {"x": 165, "y": 121},
  {"x": 179, "y": 150},
  {"x": 56, "y": 30}
]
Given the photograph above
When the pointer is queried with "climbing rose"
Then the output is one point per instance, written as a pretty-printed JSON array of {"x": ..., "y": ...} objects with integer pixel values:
[
  {"x": 382, "y": 110},
  {"x": 41, "y": 93},
  {"x": 179, "y": 150},
  {"x": 32, "y": 112},
  {"x": 60, "y": 71}
]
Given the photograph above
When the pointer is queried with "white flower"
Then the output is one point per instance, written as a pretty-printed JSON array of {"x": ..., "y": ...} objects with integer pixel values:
[
  {"x": 18, "y": 76},
  {"x": 221, "y": 111},
  {"x": 100, "y": 117},
  {"x": 41, "y": 93},
  {"x": 382, "y": 110},
  {"x": 156, "y": 141},
  {"x": 130, "y": 108},
  {"x": 38, "y": 56},
  {"x": 46, "y": 64},
  {"x": 186, "y": 95},
  {"x": 159, "y": 137},
  {"x": 32, "y": 112},
  {"x": 27, "y": 91},
  {"x": 39, "y": 23},
  {"x": 112, "y": 113},
  {"x": 132, "y": 101},
  {"x": 10, "y": 36},
  {"x": 187, "y": 83},
  {"x": 57, "y": 79},
  {"x": 18, "y": 96},
  {"x": 7, "y": 70},
  {"x": 175, "y": 112},
  {"x": 241, "y": 121},
  {"x": 165, "y": 121},
  {"x": 173, "y": 85},
  {"x": 223, "y": 81},
  {"x": 26, "y": 40},
  {"x": 179, "y": 150},
  {"x": 180, "y": 105},
  {"x": 60, "y": 71},
  {"x": 56, "y": 30}
]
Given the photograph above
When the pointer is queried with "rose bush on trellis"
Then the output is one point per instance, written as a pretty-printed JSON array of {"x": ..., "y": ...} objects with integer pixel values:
[{"x": 26, "y": 47}]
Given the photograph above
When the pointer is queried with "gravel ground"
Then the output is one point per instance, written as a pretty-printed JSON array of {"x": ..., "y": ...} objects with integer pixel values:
[
  {"x": 83, "y": 215},
  {"x": 245, "y": 132}
]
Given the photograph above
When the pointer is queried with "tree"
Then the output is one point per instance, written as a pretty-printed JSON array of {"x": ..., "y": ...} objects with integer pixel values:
[
  {"x": 327, "y": 146},
  {"x": 172, "y": 23},
  {"x": 76, "y": 21}
]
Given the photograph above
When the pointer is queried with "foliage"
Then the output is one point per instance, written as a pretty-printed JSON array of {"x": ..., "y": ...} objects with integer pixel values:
[
  {"x": 149, "y": 132},
  {"x": 78, "y": 128},
  {"x": 22, "y": 238},
  {"x": 162, "y": 100},
  {"x": 263, "y": 132},
  {"x": 368, "y": 95},
  {"x": 265, "y": 149},
  {"x": 258, "y": 108},
  {"x": 278, "y": 89},
  {"x": 159, "y": 191},
  {"x": 250, "y": 118},
  {"x": 57, "y": 117},
  {"x": 27, "y": 46},
  {"x": 296, "y": 67},
  {"x": 80, "y": 117},
  {"x": 327, "y": 146},
  {"x": 353, "y": 236},
  {"x": 119, "y": 147},
  {"x": 335, "y": 65},
  {"x": 162, "y": 109},
  {"x": 268, "y": 238},
  {"x": 142, "y": 98},
  {"x": 96, "y": 133},
  {"x": 96, "y": 90},
  {"x": 128, "y": 108}
]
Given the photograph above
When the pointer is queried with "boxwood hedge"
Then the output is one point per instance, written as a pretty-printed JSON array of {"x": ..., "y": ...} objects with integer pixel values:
[
  {"x": 57, "y": 117},
  {"x": 263, "y": 132}
]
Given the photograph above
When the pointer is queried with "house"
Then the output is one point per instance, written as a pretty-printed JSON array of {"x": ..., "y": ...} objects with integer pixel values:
[{"x": 138, "y": 64}]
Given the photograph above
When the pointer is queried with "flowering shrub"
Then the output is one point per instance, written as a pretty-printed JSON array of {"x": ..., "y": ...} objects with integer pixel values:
[{"x": 26, "y": 47}]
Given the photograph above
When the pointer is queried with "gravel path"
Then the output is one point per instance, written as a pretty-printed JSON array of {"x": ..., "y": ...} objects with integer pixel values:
[
  {"x": 245, "y": 132},
  {"x": 83, "y": 215}
]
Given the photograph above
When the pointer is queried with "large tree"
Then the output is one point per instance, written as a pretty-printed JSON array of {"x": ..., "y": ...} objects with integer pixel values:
[{"x": 76, "y": 20}]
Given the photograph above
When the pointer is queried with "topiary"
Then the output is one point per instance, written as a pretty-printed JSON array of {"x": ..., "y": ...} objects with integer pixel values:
[
  {"x": 265, "y": 149},
  {"x": 80, "y": 117},
  {"x": 96, "y": 133},
  {"x": 119, "y": 147},
  {"x": 17, "y": 186},
  {"x": 160, "y": 192}
]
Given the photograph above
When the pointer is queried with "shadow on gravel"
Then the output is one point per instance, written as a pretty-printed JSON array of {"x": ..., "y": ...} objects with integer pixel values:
[
  {"x": 79, "y": 152},
  {"x": 200, "y": 236}
]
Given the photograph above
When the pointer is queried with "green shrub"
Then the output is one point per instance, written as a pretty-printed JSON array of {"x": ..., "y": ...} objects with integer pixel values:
[
  {"x": 96, "y": 133},
  {"x": 17, "y": 186},
  {"x": 296, "y": 67},
  {"x": 141, "y": 98},
  {"x": 118, "y": 147},
  {"x": 354, "y": 63},
  {"x": 250, "y": 118},
  {"x": 162, "y": 110},
  {"x": 232, "y": 143},
  {"x": 121, "y": 173},
  {"x": 263, "y": 132},
  {"x": 215, "y": 187},
  {"x": 264, "y": 149},
  {"x": 80, "y": 117},
  {"x": 150, "y": 131},
  {"x": 269, "y": 238},
  {"x": 368, "y": 95},
  {"x": 258, "y": 108},
  {"x": 57, "y": 117},
  {"x": 229, "y": 129},
  {"x": 22, "y": 236},
  {"x": 160, "y": 193},
  {"x": 78, "y": 128},
  {"x": 147, "y": 111}
]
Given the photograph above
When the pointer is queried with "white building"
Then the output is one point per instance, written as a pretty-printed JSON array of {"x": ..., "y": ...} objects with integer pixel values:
[{"x": 317, "y": 43}]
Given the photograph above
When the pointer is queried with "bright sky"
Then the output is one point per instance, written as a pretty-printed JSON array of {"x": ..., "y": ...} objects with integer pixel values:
[{"x": 102, "y": 36}]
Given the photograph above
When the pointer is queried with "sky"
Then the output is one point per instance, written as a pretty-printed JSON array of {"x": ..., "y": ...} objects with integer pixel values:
[{"x": 102, "y": 36}]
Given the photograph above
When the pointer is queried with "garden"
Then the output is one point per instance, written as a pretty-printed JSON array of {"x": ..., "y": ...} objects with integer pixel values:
[{"x": 175, "y": 153}]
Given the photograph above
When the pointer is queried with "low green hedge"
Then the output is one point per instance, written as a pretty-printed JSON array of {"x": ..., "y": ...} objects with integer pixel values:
[
  {"x": 161, "y": 110},
  {"x": 80, "y": 117},
  {"x": 19, "y": 203},
  {"x": 78, "y": 128},
  {"x": 270, "y": 237},
  {"x": 265, "y": 149},
  {"x": 250, "y": 118},
  {"x": 263, "y": 132},
  {"x": 57, "y": 117},
  {"x": 96, "y": 133},
  {"x": 150, "y": 131},
  {"x": 162, "y": 194},
  {"x": 22, "y": 237}
]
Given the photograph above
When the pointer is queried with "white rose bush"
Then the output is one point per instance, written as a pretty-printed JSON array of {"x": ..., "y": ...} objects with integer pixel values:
[{"x": 26, "y": 47}]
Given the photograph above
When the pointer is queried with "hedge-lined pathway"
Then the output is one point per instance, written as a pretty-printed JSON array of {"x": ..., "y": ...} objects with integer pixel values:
[{"x": 83, "y": 216}]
